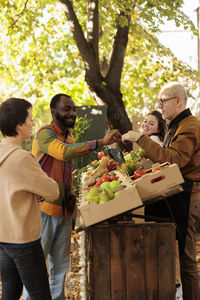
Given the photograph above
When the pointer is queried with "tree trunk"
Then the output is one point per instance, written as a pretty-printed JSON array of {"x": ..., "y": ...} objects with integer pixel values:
[
  {"x": 117, "y": 116},
  {"x": 116, "y": 113},
  {"x": 104, "y": 86}
]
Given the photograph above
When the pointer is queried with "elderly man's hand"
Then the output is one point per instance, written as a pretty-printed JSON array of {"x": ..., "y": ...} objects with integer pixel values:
[
  {"x": 131, "y": 136},
  {"x": 113, "y": 136}
]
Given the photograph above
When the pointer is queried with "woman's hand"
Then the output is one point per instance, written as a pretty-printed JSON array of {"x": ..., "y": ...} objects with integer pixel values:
[
  {"x": 38, "y": 198},
  {"x": 131, "y": 136}
]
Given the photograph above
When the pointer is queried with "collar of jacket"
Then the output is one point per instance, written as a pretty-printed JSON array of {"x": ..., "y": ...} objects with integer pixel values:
[
  {"x": 59, "y": 130},
  {"x": 184, "y": 114}
]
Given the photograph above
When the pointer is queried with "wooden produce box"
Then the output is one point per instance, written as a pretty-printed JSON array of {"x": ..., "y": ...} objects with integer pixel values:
[
  {"x": 131, "y": 261},
  {"x": 92, "y": 213},
  {"x": 155, "y": 186}
]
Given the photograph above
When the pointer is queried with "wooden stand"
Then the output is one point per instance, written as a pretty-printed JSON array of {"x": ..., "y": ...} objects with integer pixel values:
[{"x": 131, "y": 261}]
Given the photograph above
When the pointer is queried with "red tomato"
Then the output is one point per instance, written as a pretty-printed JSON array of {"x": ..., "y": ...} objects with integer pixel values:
[
  {"x": 139, "y": 173},
  {"x": 113, "y": 177},
  {"x": 101, "y": 180},
  {"x": 101, "y": 154},
  {"x": 155, "y": 169},
  {"x": 97, "y": 185},
  {"x": 106, "y": 177}
]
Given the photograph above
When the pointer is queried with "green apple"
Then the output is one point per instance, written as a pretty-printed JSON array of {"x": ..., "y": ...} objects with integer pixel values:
[
  {"x": 141, "y": 152},
  {"x": 93, "y": 195},
  {"x": 116, "y": 194},
  {"x": 105, "y": 185},
  {"x": 110, "y": 193},
  {"x": 104, "y": 197},
  {"x": 92, "y": 198},
  {"x": 113, "y": 185}
]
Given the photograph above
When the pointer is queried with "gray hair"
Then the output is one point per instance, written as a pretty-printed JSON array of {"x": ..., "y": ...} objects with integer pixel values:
[{"x": 174, "y": 89}]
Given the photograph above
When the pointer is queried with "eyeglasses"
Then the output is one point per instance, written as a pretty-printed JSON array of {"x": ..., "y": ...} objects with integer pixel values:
[{"x": 162, "y": 101}]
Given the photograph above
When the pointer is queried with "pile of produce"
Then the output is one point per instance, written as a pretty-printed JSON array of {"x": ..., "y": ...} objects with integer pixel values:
[
  {"x": 102, "y": 184},
  {"x": 133, "y": 161},
  {"x": 106, "y": 191},
  {"x": 103, "y": 180}
]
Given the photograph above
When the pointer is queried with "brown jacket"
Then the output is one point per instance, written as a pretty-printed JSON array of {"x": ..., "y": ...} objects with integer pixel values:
[
  {"x": 21, "y": 179},
  {"x": 184, "y": 149}
]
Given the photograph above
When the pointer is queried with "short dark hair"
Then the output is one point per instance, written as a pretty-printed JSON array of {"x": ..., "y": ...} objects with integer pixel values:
[
  {"x": 161, "y": 123},
  {"x": 56, "y": 99},
  {"x": 13, "y": 112}
]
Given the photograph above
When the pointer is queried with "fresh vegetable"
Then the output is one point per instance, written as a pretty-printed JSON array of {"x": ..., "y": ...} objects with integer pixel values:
[
  {"x": 139, "y": 173},
  {"x": 101, "y": 154},
  {"x": 104, "y": 192},
  {"x": 141, "y": 152},
  {"x": 155, "y": 169},
  {"x": 131, "y": 162}
]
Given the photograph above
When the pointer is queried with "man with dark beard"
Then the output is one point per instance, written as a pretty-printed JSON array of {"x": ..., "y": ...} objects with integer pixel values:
[{"x": 54, "y": 148}]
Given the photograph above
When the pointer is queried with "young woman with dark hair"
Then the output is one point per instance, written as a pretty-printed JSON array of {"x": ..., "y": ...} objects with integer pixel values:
[
  {"x": 154, "y": 126},
  {"x": 22, "y": 184}
]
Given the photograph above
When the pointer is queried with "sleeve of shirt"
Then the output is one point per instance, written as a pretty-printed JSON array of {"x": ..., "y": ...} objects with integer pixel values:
[
  {"x": 181, "y": 148},
  {"x": 35, "y": 180},
  {"x": 51, "y": 145}
]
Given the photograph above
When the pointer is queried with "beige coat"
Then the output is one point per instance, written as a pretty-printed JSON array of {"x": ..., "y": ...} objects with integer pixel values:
[{"x": 21, "y": 179}]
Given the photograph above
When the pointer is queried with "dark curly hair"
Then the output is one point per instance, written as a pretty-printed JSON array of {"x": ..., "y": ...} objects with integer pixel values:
[
  {"x": 161, "y": 123},
  {"x": 56, "y": 99}
]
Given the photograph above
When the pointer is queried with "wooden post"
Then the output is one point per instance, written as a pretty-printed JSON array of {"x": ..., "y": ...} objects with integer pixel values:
[{"x": 198, "y": 25}]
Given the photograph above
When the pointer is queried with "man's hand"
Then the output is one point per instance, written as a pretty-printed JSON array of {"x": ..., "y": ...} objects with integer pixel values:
[
  {"x": 113, "y": 136},
  {"x": 131, "y": 136}
]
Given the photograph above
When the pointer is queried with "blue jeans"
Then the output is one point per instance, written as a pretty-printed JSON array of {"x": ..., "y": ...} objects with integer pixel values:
[
  {"x": 24, "y": 266},
  {"x": 56, "y": 241}
]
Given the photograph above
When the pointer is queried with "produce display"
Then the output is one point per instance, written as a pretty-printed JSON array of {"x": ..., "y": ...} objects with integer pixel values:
[
  {"x": 134, "y": 161},
  {"x": 105, "y": 192},
  {"x": 108, "y": 190},
  {"x": 103, "y": 179}
]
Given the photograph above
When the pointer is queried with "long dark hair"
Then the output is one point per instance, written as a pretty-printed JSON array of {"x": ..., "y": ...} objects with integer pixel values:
[{"x": 161, "y": 123}]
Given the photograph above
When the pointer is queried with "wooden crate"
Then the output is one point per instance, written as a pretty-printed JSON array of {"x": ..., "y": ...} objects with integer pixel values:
[
  {"x": 131, "y": 261},
  {"x": 93, "y": 213},
  {"x": 160, "y": 184}
]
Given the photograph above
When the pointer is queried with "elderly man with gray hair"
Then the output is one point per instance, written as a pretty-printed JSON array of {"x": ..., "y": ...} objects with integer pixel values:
[{"x": 181, "y": 145}]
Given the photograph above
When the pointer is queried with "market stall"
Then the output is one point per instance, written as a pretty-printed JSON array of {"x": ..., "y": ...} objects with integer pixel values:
[{"x": 127, "y": 260}]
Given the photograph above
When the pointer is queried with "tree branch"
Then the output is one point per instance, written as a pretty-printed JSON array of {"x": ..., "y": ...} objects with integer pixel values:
[
  {"x": 19, "y": 15},
  {"x": 85, "y": 49},
  {"x": 113, "y": 77},
  {"x": 93, "y": 26}
]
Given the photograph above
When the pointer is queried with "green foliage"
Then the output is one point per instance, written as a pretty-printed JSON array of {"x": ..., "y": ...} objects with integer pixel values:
[
  {"x": 150, "y": 65},
  {"x": 27, "y": 144},
  {"x": 39, "y": 57},
  {"x": 79, "y": 135},
  {"x": 82, "y": 124}
]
